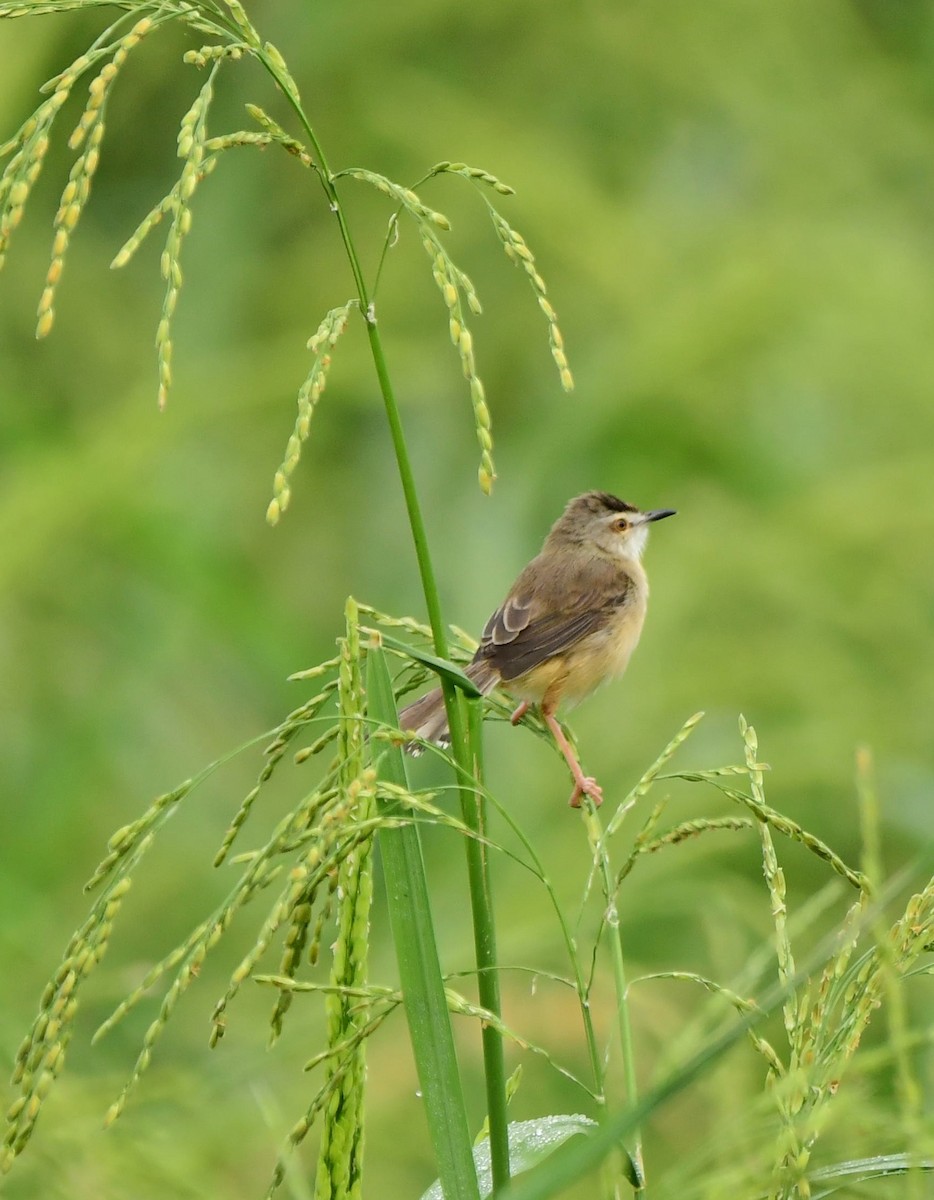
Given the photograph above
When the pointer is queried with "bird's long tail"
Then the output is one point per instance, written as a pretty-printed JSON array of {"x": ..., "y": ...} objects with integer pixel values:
[{"x": 427, "y": 719}]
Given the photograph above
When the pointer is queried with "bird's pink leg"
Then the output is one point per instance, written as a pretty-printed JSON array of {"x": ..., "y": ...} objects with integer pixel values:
[
  {"x": 519, "y": 713},
  {"x": 584, "y": 785}
]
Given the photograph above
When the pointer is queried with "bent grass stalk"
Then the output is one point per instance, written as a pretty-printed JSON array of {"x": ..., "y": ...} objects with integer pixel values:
[{"x": 610, "y": 921}]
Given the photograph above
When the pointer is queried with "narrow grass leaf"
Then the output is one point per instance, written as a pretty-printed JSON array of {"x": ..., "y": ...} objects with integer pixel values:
[
  {"x": 440, "y": 666},
  {"x": 866, "y": 1170},
  {"x": 419, "y": 968}
]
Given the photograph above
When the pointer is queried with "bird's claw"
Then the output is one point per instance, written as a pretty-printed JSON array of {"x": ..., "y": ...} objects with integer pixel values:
[{"x": 586, "y": 786}]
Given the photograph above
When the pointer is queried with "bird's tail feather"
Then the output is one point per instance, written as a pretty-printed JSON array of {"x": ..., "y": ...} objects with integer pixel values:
[{"x": 427, "y": 718}]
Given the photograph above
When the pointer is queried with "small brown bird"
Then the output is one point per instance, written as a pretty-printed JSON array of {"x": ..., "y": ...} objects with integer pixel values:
[{"x": 570, "y": 622}]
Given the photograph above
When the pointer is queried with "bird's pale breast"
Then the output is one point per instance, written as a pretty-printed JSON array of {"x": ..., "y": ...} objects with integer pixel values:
[{"x": 598, "y": 657}]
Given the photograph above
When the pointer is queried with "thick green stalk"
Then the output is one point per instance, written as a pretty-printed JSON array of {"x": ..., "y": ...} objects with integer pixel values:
[
  {"x": 478, "y": 864},
  {"x": 484, "y": 929},
  {"x": 475, "y": 850},
  {"x": 413, "y": 509},
  {"x": 598, "y": 843}
]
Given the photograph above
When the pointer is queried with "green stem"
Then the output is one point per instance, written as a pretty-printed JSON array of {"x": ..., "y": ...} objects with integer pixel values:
[
  {"x": 581, "y": 985},
  {"x": 478, "y": 866},
  {"x": 477, "y": 869},
  {"x": 475, "y": 851},
  {"x": 626, "y": 1043},
  {"x": 598, "y": 843},
  {"x": 413, "y": 509},
  {"x": 466, "y": 755}
]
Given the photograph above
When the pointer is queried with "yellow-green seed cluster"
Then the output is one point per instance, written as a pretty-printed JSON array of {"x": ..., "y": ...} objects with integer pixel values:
[
  {"x": 403, "y": 196},
  {"x": 419, "y": 628},
  {"x": 339, "y": 853},
  {"x": 321, "y": 830},
  {"x": 517, "y": 250},
  {"x": 278, "y": 134},
  {"x": 241, "y": 137},
  {"x": 130, "y": 841},
  {"x": 340, "y": 1157},
  {"x": 457, "y": 290},
  {"x": 830, "y": 1027},
  {"x": 166, "y": 205},
  {"x": 192, "y": 135},
  {"x": 321, "y": 344},
  {"x": 281, "y": 72},
  {"x": 331, "y": 839},
  {"x": 645, "y": 843},
  {"x": 373, "y": 1007},
  {"x": 355, "y": 1008},
  {"x": 325, "y": 820},
  {"x": 475, "y": 174},
  {"x": 779, "y": 824},
  {"x": 693, "y": 829},
  {"x": 824, "y": 1020},
  {"x": 792, "y": 1155},
  {"x": 198, "y": 162},
  {"x": 29, "y": 146},
  {"x": 210, "y": 54},
  {"x": 648, "y": 778},
  {"x": 29, "y": 149},
  {"x": 238, "y": 12},
  {"x": 42, "y": 1054},
  {"x": 86, "y": 137},
  {"x": 200, "y": 156},
  {"x": 27, "y": 8},
  {"x": 274, "y": 753},
  {"x": 308, "y": 825},
  {"x": 414, "y": 673},
  {"x": 774, "y": 878}
]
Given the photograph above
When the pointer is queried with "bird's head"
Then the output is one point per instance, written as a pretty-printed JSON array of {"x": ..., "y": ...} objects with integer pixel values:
[{"x": 605, "y": 524}]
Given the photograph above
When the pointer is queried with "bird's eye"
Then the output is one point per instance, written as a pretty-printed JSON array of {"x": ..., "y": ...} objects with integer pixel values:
[{"x": 621, "y": 525}]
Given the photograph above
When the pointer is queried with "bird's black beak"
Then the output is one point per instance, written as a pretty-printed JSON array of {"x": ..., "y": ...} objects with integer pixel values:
[{"x": 659, "y": 514}]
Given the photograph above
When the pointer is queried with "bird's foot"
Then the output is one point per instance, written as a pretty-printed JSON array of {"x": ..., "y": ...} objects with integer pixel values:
[
  {"x": 586, "y": 786},
  {"x": 519, "y": 713}
]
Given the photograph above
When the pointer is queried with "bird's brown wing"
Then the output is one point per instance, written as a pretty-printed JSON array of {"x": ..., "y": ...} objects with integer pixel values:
[{"x": 537, "y": 622}]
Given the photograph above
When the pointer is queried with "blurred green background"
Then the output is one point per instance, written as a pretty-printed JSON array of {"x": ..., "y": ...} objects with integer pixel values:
[{"x": 732, "y": 205}]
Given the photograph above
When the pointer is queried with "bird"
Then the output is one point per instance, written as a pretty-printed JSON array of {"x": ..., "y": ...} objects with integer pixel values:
[{"x": 570, "y": 623}]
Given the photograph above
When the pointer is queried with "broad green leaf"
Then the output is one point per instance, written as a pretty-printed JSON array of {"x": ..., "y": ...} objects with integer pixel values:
[{"x": 529, "y": 1143}]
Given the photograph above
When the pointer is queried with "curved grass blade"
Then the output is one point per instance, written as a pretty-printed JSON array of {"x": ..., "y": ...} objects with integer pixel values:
[
  {"x": 866, "y": 1170},
  {"x": 440, "y": 666}
]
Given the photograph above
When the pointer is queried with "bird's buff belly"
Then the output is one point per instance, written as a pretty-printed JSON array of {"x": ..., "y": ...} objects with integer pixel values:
[{"x": 570, "y": 677}]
